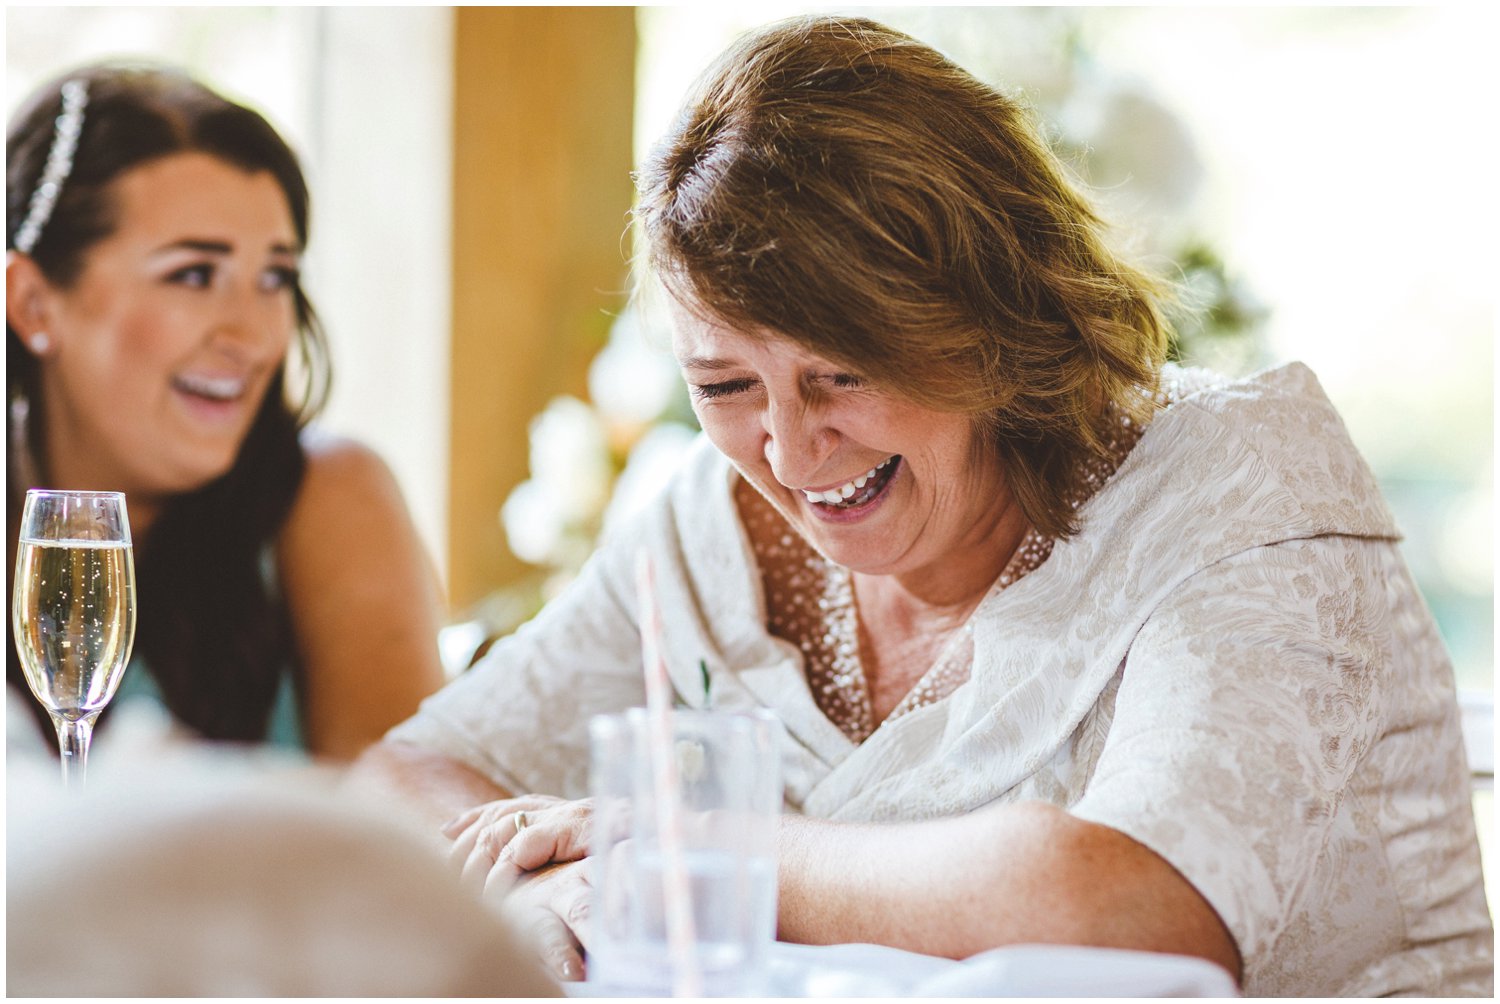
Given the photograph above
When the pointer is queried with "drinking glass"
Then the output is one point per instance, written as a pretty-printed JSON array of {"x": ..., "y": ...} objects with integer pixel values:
[
  {"x": 73, "y": 614},
  {"x": 728, "y": 805}
]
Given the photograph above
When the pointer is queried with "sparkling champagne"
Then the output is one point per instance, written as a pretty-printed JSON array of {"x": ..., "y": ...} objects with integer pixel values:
[{"x": 74, "y": 621}]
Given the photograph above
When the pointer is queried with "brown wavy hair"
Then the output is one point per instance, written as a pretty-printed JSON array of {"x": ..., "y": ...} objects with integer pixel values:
[
  {"x": 835, "y": 182},
  {"x": 211, "y": 631}
]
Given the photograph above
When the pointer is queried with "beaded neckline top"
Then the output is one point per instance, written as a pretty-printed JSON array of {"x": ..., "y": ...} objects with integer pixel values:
[{"x": 810, "y": 601}]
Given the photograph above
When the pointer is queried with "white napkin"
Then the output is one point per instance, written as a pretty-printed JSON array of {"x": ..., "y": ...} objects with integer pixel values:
[{"x": 1013, "y": 971}]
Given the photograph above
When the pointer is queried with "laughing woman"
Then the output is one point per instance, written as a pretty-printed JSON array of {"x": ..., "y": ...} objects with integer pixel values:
[
  {"x": 154, "y": 231},
  {"x": 1071, "y": 645}
]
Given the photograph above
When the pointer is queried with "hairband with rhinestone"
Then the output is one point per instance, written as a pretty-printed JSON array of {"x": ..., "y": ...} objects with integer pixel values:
[{"x": 75, "y": 96}]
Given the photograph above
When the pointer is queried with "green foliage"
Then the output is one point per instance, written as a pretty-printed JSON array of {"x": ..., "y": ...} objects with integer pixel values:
[{"x": 1216, "y": 321}]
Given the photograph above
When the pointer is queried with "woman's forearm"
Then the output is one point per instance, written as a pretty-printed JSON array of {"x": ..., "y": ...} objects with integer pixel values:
[
  {"x": 432, "y": 788},
  {"x": 1000, "y": 875}
]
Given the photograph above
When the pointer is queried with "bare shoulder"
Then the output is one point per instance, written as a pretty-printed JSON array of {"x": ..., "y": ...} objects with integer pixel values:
[
  {"x": 335, "y": 462},
  {"x": 363, "y": 596},
  {"x": 347, "y": 489},
  {"x": 344, "y": 472}
]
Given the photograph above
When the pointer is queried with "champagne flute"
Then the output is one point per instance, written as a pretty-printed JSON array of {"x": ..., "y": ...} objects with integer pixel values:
[{"x": 73, "y": 614}]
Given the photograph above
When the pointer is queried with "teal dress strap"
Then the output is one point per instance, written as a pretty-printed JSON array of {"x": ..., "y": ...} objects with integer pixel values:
[{"x": 285, "y": 729}]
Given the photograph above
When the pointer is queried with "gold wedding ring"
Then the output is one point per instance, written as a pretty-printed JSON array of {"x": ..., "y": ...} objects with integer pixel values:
[{"x": 520, "y": 820}]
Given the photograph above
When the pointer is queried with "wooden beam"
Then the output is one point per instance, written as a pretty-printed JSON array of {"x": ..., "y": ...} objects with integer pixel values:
[{"x": 543, "y": 103}]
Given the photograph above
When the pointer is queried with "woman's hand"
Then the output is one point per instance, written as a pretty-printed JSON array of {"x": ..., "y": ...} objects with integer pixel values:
[
  {"x": 551, "y": 907},
  {"x": 526, "y": 855},
  {"x": 496, "y": 843}
]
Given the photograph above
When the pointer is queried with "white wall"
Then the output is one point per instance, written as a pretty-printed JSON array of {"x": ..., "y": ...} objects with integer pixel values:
[{"x": 382, "y": 86}]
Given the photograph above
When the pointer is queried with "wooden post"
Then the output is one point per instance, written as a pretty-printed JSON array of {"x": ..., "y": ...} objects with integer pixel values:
[{"x": 543, "y": 103}]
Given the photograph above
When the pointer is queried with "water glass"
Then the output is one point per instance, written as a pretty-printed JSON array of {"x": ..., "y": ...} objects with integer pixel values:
[{"x": 729, "y": 801}]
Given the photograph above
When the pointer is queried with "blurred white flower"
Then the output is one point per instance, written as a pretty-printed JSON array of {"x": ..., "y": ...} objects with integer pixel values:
[
  {"x": 630, "y": 380},
  {"x": 648, "y": 469},
  {"x": 552, "y": 517},
  {"x": 1141, "y": 158},
  {"x": 570, "y": 458},
  {"x": 533, "y": 524}
]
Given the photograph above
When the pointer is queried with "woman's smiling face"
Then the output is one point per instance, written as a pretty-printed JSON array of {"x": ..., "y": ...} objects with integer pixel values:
[
  {"x": 874, "y": 481},
  {"x": 166, "y": 343}
]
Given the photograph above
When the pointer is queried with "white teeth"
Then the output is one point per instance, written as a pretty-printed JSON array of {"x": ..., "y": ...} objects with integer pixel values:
[
  {"x": 220, "y": 388},
  {"x": 836, "y": 495}
]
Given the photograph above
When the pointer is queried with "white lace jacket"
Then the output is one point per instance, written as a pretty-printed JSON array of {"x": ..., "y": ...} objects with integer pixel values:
[{"x": 1230, "y": 663}]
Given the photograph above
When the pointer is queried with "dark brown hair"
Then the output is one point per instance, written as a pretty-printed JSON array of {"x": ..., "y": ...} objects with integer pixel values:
[
  {"x": 841, "y": 184},
  {"x": 212, "y": 630}
]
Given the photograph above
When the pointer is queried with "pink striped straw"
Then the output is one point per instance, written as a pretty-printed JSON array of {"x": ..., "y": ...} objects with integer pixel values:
[{"x": 677, "y": 894}]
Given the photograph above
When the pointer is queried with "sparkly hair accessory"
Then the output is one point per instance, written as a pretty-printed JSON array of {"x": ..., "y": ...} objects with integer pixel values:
[{"x": 75, "y": 95}]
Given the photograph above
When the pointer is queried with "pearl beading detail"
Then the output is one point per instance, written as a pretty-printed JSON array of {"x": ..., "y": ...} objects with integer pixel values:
[{"x": 810, "y": 600}]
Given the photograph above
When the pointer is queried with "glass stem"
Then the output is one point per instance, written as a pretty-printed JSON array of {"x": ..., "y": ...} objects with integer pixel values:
[{"x": 73, "y": 742}]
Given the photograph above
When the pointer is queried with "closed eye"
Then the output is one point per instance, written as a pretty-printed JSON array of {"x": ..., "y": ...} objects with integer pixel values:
[
  {"x": 847, "y": 380},
  {"x": 723, "y": 388}
]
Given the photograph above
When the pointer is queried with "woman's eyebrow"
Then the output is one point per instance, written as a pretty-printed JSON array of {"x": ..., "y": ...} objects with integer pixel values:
[
  {"x": 210, "y": 246},
  {"x": 195, "y": 244},
  {"x": 707, "y": 363}
]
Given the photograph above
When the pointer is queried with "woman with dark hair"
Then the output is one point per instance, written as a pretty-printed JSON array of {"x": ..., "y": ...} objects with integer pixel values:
[
  {"x": 154, "y": 234},
  {"x": 1071, "y": 645}
]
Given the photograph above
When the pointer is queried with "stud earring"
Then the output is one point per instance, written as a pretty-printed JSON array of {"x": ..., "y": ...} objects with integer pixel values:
[{"x": 39, "y": 343}]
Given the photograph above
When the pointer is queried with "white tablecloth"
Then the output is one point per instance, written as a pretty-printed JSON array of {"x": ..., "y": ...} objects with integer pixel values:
[
  {"x": 191, "y": 871},
  {"x": 1015, "y": 971}
]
